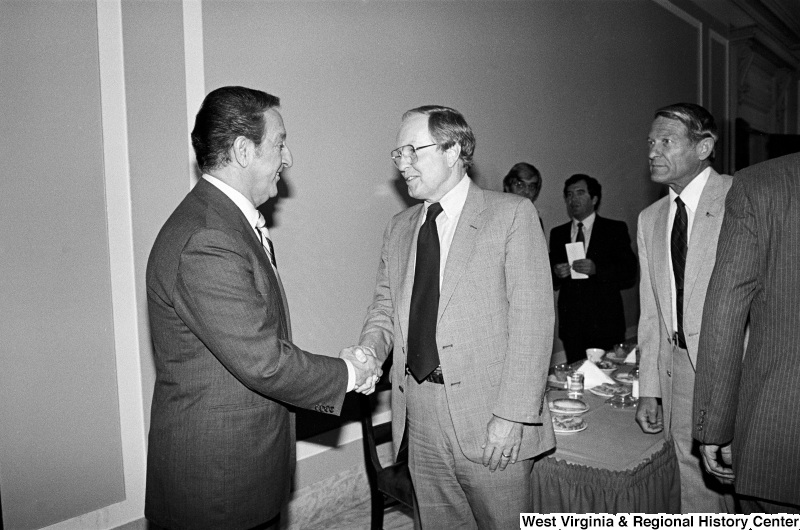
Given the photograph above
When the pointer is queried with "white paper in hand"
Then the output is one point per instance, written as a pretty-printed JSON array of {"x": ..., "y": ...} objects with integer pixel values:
[{"x": 576, "y": 251}]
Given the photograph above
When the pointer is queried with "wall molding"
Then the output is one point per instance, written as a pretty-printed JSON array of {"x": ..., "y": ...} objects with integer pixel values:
[
  {"x": 194, "y": 68},
  {"x": 698, "y": 25},
  {"x": 123, "y": 281}
]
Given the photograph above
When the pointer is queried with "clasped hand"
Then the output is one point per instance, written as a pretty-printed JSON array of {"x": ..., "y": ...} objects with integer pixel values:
[
  {"x": 585, "y": 266},
  {"x": 367, "y": 367}
]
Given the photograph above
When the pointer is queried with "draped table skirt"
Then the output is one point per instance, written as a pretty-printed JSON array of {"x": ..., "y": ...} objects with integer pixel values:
[{"x": 611, "y": 467}]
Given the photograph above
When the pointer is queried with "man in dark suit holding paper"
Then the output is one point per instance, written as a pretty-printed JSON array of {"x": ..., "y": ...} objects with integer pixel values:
[
  {"x": 221, "y": 446},
  {"x": 745, "y": 399},
  {"x": 590, "y": 312}
]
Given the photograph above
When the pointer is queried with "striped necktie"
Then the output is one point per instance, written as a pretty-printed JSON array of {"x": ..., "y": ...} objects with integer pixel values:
[{"x": 266, "y": 242}]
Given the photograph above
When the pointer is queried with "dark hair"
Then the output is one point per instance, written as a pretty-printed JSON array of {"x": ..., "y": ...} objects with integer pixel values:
[
  {"x": 516, "y": 172},
  {"x": 698, "y": 121},
  {"x": 594, "y": 187},
  {"x": 448, "y": 127},
  {"x": 227, "y": 113}
]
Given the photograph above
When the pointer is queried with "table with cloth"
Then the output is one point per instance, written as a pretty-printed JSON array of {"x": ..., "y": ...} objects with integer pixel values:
[{"x": 610, "y": 467}]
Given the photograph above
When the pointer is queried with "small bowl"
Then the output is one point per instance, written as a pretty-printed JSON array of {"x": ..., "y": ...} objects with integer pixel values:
[{"x": 595, "y": 354}]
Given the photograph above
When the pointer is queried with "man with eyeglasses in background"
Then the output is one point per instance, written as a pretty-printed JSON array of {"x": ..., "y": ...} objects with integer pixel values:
[
  {"x": 524, "y": 180},
  {"x": 464, "y": 298}
]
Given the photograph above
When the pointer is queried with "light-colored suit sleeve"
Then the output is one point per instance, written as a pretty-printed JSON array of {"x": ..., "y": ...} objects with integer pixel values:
[
  {"x": 378, "y": 329},
  {"x": 531, "y": 318},
  {"x": 649, "y": 319}
]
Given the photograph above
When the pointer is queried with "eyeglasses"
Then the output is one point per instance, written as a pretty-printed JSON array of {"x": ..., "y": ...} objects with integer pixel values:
[
  {"x": 406, "y": 151},
  {"x": 519, "y": 185}
]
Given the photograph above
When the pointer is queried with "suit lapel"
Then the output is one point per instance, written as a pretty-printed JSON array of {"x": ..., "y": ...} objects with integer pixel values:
[
  {"x": 230, "y": 213},
  {"x": 660, "y": 264},
  {"x": 405, "y": 256},
  {"x": 707, "y": 218},
  {"x": 463, "y": 244},
  {"x": 597, "y": 237}
]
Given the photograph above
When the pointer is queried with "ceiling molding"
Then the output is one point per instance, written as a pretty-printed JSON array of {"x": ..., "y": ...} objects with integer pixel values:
[
  {"x": 766, "y": 45},
  {"x": 775, "y": 17}
]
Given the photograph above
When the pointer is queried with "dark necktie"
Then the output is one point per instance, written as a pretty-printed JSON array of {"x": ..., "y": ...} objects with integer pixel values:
[
  {"x": 580, "y": 237},
  {"x": 678, "y": 249},
  {"x": 423, "y": 355},
  {"x": 266, "y": 242}
]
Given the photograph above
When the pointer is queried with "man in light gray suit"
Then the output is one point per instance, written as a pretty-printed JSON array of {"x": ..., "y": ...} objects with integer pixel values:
[
  {"x": 751, "y": 398},
  {"x": 464, "y": 297},
  {"x": 677, "y": 238}
]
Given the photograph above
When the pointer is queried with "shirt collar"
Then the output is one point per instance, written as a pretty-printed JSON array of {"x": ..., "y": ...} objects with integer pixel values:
[
  {"x": 242, "y": 202},
  {"x": 691, "y": 193},
  {"x": 453, "y": 201},
  {"x": 588, "y": 223}
]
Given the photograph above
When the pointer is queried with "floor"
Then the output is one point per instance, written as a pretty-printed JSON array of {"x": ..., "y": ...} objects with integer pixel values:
[{"x": 358, "y": 518}]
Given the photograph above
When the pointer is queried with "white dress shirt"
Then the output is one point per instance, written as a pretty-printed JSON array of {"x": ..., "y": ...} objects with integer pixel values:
[
  {"x": 691, "y": 198},
  {"x": 588, "y": 224},
  {"x": 452, "y": 205},
  {"x": 251, "y": 214}
]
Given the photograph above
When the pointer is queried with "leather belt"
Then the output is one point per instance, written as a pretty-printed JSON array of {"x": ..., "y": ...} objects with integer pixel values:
[
  {"x": 675, "y": 340},
  {"x": 434, "y": 377}
]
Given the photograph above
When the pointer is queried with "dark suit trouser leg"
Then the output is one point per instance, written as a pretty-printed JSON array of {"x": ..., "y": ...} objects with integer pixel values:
[{"x": 453, "y": 492}]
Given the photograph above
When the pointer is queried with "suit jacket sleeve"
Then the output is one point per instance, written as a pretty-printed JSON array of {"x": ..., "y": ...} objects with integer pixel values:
[
  {"x": 531, "y": 318},
  {"x": 649, "y": 320},
  {"x": 734, "y": 283},
  {"x": 217, "y": 296},
  {"x": 558, "y": 252},
  {"x": 617, "y": 266},
  {"x": 378, "y": 329}
]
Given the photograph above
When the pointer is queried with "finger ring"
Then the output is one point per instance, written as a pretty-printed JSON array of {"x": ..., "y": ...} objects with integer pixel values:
[{"x": 507, "y": 456}]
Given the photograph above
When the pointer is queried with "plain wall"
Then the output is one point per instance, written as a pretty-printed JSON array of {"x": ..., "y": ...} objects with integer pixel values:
[{"x": 60, "y": 447}]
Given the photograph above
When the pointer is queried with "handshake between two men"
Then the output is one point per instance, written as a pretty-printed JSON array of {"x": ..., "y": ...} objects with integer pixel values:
[{"x": 367, "y": 367}]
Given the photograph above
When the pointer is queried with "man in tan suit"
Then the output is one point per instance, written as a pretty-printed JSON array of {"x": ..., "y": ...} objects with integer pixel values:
[
  {"x": 464, "y": 296},
  {"x": 677, "y": 240}
]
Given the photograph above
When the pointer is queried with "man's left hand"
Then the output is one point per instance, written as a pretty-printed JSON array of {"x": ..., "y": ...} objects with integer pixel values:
[
  {"x": 586, "y": 266},
  {"x": 723, "y": 470},
  {"x": 503, "y": 438}
]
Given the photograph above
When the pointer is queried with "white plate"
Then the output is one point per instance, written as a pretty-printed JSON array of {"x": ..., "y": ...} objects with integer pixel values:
[
  {"x": 623, "y": 376},
  {"x": 604, "y": 391}
]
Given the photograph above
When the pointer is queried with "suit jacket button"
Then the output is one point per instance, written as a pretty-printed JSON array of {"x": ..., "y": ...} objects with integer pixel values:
[{"x": 669, "y": 374}]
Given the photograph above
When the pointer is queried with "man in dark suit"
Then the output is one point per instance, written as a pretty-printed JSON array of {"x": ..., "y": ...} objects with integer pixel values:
[
  {"x": 221, "y": 444},
  {"x": 745, "y": 402},
  {"x": 590, "y": 312},
  {"x": 464, "y": 300}
]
